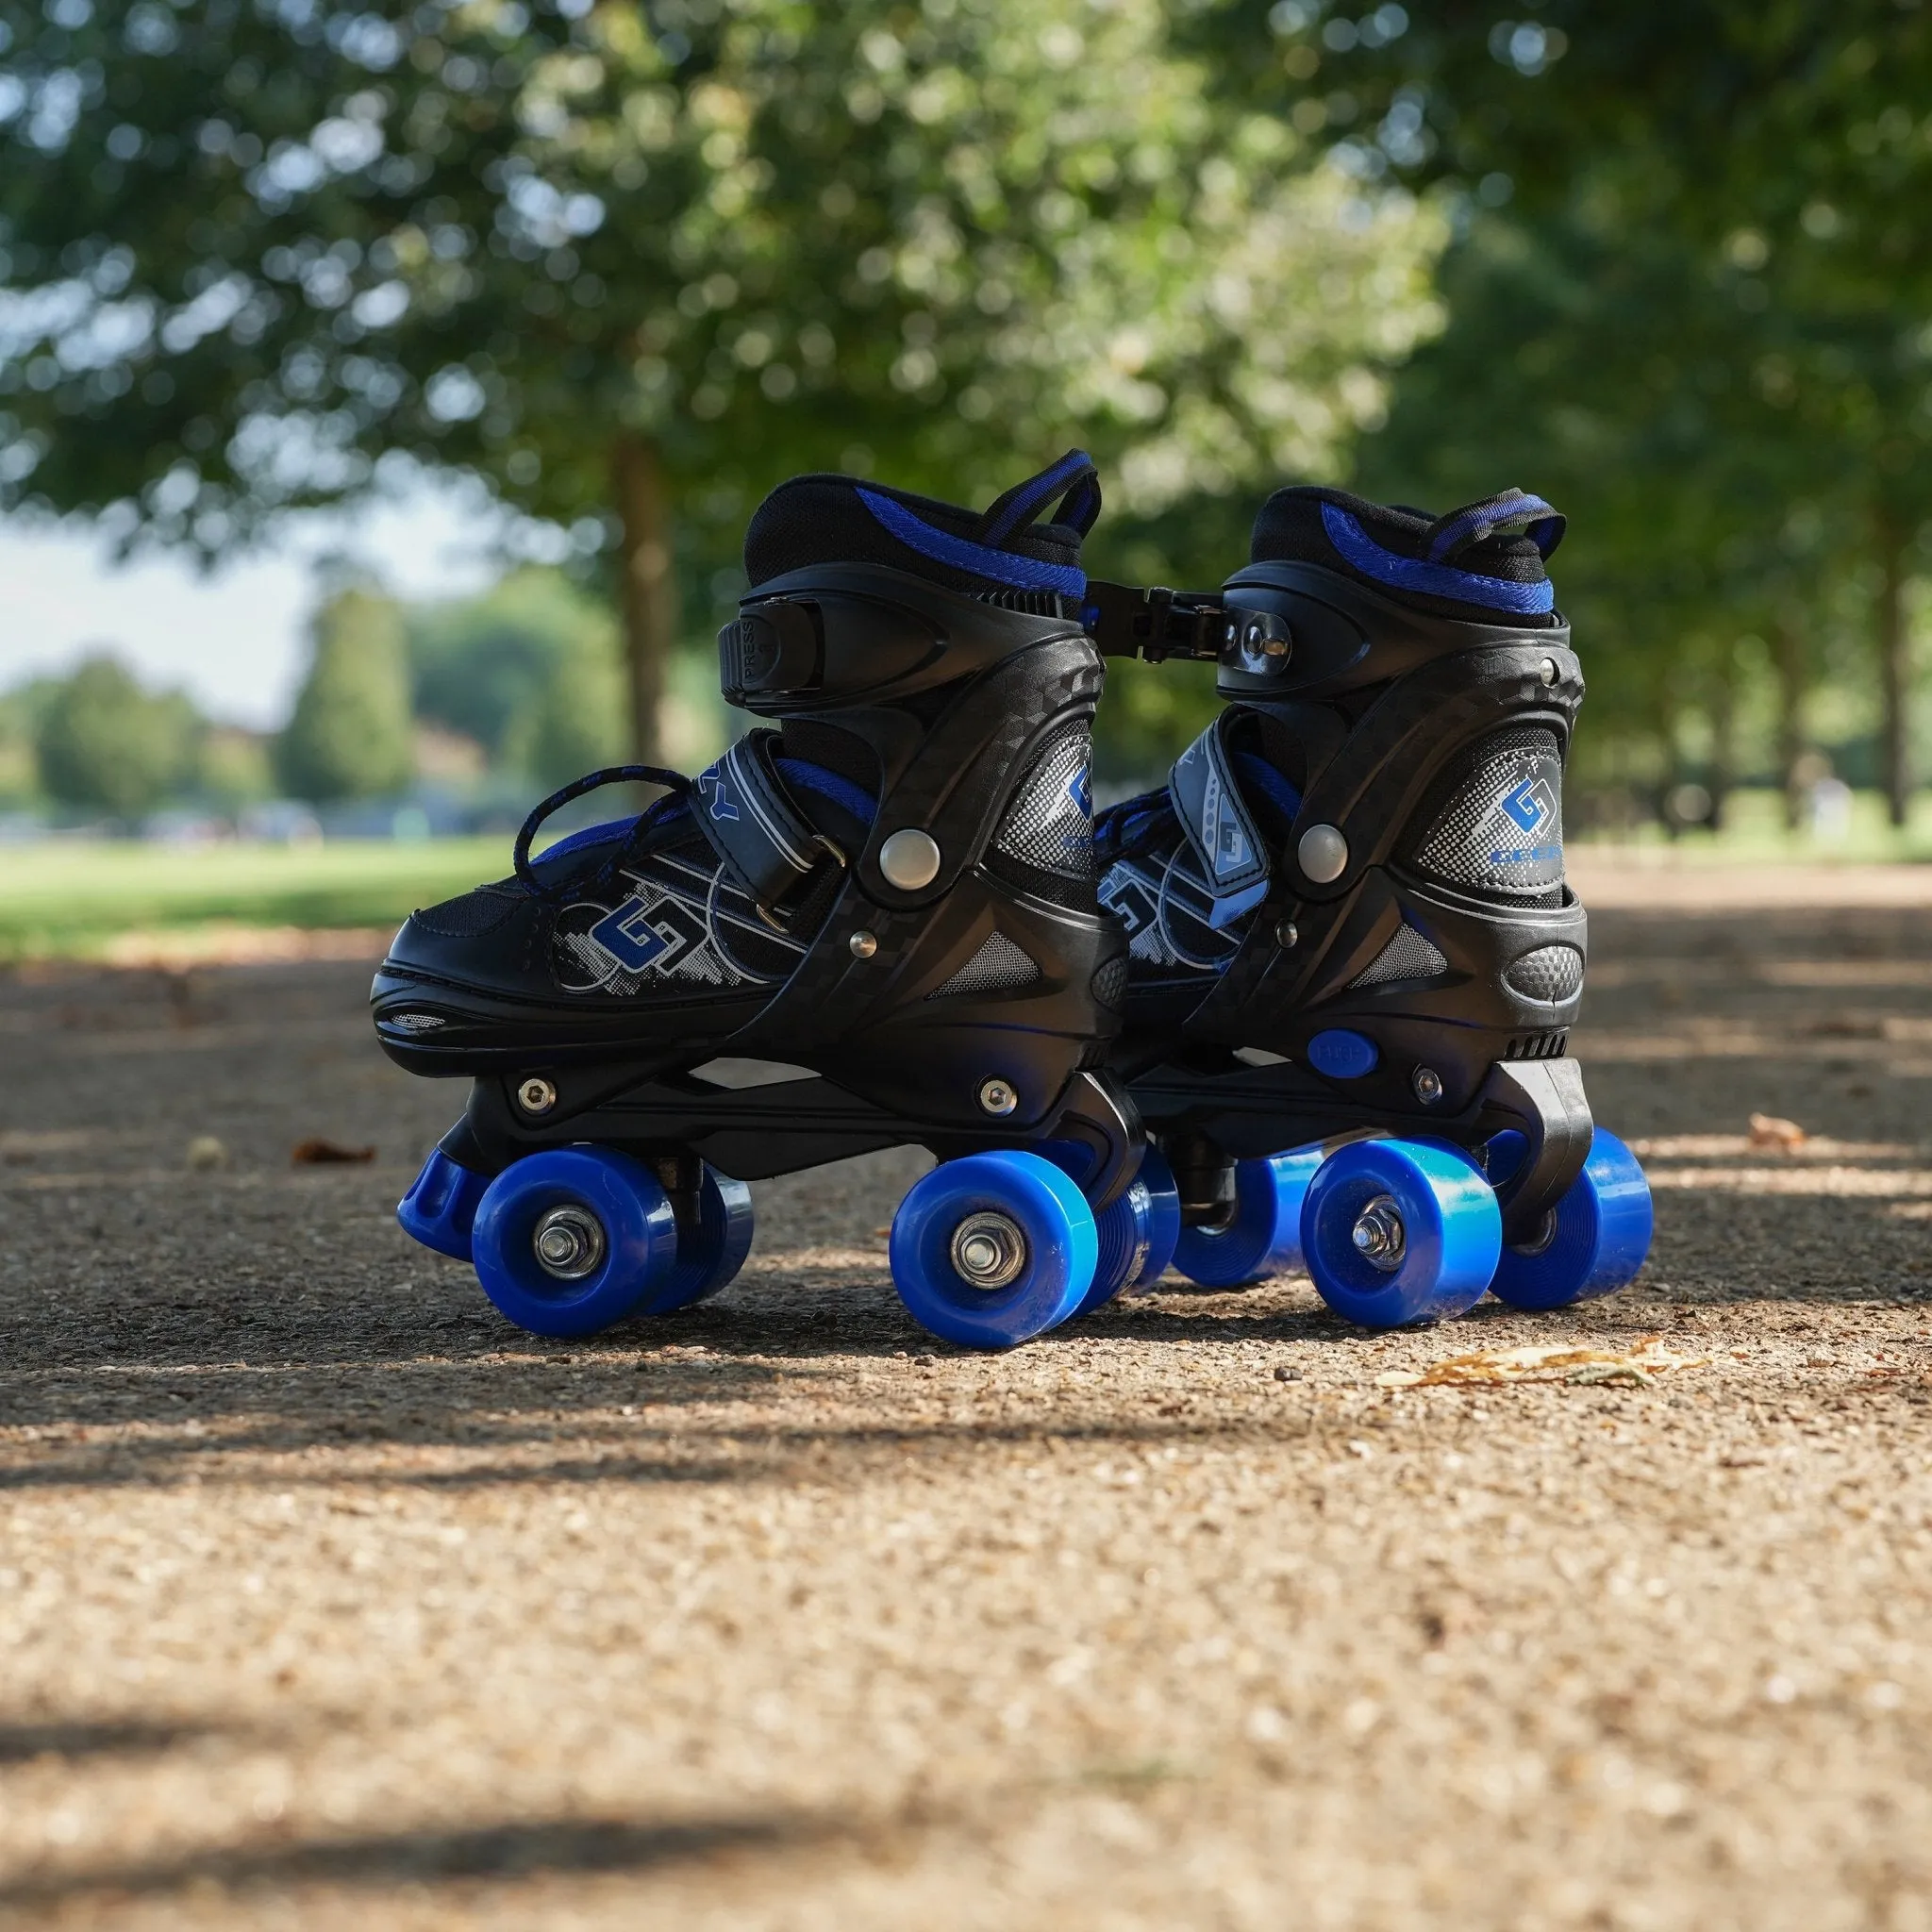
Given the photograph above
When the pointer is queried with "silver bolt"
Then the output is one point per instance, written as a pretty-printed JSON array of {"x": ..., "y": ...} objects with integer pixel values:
[
  {"x": 1323, "y": 853},
  {"x": 989, "y": 1251},
  {"x": 569, "y": 1242},
  {"x": 1380, "y": 1236},
  {"x": 863, "y": 944},
  {"x": 909, "y": 860},
  {"x": 998, "y": 1096},
  {"x": 1428, "y": 1086},
  {"x": 1550, "y": 673},
  {"x": 1287, "y": 935},
  {"x": 536, "y": 1096}
]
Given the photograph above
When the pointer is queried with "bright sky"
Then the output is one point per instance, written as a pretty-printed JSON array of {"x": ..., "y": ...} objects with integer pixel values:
[{"x": 236, "y": 638}]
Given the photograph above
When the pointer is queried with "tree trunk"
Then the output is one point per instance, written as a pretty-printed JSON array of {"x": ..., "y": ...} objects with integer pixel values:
[
  {"x": 647, "y": 585},
  {"x": 1724, "y": 736},
  {"x": 1788, "y": 649},
  {"x": 1893, "y": 670}
]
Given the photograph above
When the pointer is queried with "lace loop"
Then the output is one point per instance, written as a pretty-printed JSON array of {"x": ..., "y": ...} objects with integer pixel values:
[{"x": 674, "y": 782}]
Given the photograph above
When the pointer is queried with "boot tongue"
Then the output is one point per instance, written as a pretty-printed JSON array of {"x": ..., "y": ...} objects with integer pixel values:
[{"x": 833, "y": 777}]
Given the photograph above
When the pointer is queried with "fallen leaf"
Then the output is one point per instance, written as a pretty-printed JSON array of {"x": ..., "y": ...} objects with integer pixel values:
[
  {"x": 1640, "y": 1367},
  {"x": 205, "y": 1152},
  {"x": 1769, "y": 1130},
  {"x": 328, "y": 1153}
]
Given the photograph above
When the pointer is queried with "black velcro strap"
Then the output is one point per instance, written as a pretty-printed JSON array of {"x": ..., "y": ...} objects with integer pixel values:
[
  {"x": 770, "y": 646},
  {"x": 744, "y": 809}
]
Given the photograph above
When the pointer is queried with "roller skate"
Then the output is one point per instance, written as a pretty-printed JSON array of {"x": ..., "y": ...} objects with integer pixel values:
[
  {"x": 1354, "y": 958},
  {"x": 874, "y": 925}
]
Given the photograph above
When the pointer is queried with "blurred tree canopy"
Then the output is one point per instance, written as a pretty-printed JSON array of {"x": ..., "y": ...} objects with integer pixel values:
[
  {"x": 634, "y": 263},
  {"x": 1690, "y": 298},
  {"x": 351, "y": 733},
  {"x": 103, "y": 744}
]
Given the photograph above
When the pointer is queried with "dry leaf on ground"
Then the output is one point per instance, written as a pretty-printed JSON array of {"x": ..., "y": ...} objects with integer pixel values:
[
  {"x": 1558, "y": 1363},
  {"x": 320, "y": 1153},
  {"x": 1770, "y": 1130}
]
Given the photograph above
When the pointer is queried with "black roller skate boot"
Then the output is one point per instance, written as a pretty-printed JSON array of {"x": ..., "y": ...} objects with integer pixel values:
[
  {"x": 887, "y": 904},
  {"x": 1355, "y": 961}
]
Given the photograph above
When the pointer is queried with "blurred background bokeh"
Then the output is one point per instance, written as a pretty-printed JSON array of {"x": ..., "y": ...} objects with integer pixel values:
[{"x": 589, "y": 277}]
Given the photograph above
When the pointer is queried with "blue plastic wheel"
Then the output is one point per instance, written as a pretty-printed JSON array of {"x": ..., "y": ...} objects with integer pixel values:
[
  {"x": 1137, "y": 1234},
  {"x": 710, "y": 1254},
  {"x": 570, "y": 1239},
  {"x": 441, "y": 1204},
  {"x": 1264, "y": 1235},
  {"x": 1400, "y": 1231},
  {"x": 994, "y": 1249},
  {"x": 1596, "y": 1238}
]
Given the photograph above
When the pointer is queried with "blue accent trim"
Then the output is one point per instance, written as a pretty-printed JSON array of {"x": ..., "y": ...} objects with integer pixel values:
[
  {"x": 1257, "y": 771},
  {"x": 999, "y": 566},
  {"x": 1436, "y": 579},
  {"x": 1225, "y": 910},
  {"x": 842, "y": 791},
  {"x": 1342, "y": 1055}
]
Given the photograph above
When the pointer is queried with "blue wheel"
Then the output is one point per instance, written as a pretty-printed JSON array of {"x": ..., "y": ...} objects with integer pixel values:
[
  {"x": 1137, "y": 1234},
  {"x": 441, "y": 1204},
  {"x": 1400, "y": 1231},
  {"x": 994, "y": 1249},
  {"x": 570, "y": 1239},
  {"x": 1264, "y": 1235},
  {"x": 710, "y": 1254},
  {"x": 1595, "y": 1239}
]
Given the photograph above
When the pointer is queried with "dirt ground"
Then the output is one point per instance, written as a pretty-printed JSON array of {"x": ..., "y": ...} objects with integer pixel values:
[{"x": 326, "y": 1599}]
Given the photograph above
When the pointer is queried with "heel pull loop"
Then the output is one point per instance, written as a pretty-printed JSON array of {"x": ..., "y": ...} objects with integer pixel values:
[
  {"x": 1073, "y": 484},
  {"x": 674, "y": 782},
  {"x": 1460, "y": 529}
]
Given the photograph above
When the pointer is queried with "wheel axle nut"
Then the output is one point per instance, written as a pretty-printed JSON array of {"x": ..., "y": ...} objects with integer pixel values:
[
  {"x": 863, "y": 944},
  {"x": 1428, "y": 1086},
  {"x": 997, "y": 1096},
  {"x": 536, "y": 1096},
  {"x": 989, "y": 1251},
  {"x": 569, "y": 1242},
  {"x": 1380, "y": 1236}
]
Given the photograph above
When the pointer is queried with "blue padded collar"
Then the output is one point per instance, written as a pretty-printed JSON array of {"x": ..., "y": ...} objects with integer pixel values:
[
  {"x": 978, "y": 560},
  {"x": 1434, "y": 579}
]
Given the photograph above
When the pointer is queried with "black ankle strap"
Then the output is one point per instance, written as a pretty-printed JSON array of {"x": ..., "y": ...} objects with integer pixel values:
[
  {"x": 769, "y": 846},
  {"x": 1157, "y": 624}
]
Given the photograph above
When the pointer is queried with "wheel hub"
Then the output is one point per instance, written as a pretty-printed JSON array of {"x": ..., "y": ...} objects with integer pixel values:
[
  {"x": 569, "y": 1242},
  {"x": 989, "y": 1251},
  {"x": 1380, "y": 1236}
]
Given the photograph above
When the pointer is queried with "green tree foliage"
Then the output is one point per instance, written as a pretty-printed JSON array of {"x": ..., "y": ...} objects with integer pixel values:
[
  {"x": 103, "y": 744},
  {"x": 531, "y": 670},
  {"x": 633, "y": 263},
  {"x": 350, "y": 734}
]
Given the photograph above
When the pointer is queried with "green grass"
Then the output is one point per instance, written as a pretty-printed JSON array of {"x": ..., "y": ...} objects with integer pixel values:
[
  {"x": 1754, "y": 834},
  {"x": 68, "y": 900}
]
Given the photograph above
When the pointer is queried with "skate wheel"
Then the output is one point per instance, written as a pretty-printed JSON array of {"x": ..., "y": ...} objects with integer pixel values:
[
  {"x": 570, "y": 1239},
  {"x": 441, "y": 1204},
  {"x": 1596, "y": 1239},
  {"x": 1137, "y": 1234},
  {"x": 994, "y": 1248},
  {"x": 1264, "y": 1235},
  {"x": 710, "y": 1254},
  {"x": 1400, "y": 1231}
]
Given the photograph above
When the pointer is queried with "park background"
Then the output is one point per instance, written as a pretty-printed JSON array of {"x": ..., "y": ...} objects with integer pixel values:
[{"x": 587, "y": 279}]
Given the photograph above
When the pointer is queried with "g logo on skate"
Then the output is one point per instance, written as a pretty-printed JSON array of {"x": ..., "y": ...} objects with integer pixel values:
[
  {"x": 612, "y": 948},
  {"x": 1532, "y": 804}
]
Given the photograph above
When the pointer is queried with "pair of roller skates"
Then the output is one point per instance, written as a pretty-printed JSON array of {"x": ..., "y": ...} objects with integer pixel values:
[{"x": 1306, "y": 1006}]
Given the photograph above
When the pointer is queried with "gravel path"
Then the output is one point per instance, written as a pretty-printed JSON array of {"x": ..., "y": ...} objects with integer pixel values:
[{"x": 327, "y": 1600}]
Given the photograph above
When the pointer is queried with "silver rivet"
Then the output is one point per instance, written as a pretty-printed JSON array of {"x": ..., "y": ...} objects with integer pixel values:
[
  {"x": 1380, "y": 1236},
  {"x": 1428, "y": 1086},
  {"x": 536, "y": 1096},
  {"x": 1323, "y": 853},
  {"x": 569, "y": 1242},
  {"x": 989, "y": 1251},
  {"x": 1550, "y": 673},
  {"x": 998, "y": 1096},
  {"x": 1287, "y": 935},
  {"x": 909, "y": 860},
  {"x": 863, "y": 944}
]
